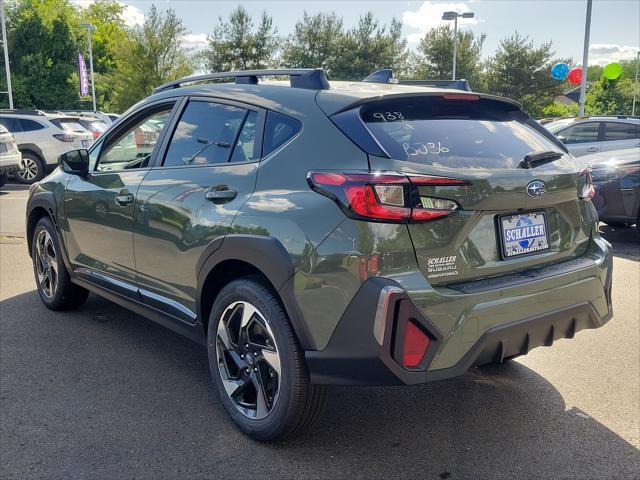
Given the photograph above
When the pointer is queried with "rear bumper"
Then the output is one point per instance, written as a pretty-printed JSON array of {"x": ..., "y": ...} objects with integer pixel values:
[
  {"x": 362, "y": 352},
  {"x": 10, "y": 163}
]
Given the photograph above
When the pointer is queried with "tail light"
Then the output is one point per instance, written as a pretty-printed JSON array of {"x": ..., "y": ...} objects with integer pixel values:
[
  {"x": 64, "y": 137},
  {"x": 589, "y": 190},
  {"x": 388, "y": 197},
  {"x": 96, "y": 134}
]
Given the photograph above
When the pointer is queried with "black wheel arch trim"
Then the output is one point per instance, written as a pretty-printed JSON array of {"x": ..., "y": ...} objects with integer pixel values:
[{"x": 268, "y": 255}]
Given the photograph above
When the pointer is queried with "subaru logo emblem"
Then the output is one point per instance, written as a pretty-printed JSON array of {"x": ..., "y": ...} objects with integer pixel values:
[{"x": 536, "y": 189}]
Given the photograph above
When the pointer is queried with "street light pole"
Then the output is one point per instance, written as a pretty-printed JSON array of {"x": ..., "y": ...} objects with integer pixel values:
[
  {"x": 585, "y": 59},
  {"x": 91, "y": 28},
  {"x": 454, "y": 16},
  {"x": 6, "y": 55},
  {"x": 635, "y": 86}
]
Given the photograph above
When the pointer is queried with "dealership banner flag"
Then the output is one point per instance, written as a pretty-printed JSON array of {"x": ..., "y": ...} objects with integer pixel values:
[{"x": 82, "y": 73}]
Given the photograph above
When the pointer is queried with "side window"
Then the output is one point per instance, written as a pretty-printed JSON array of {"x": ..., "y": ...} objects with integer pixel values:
[
  {"x": 207, "y": 134},
  {"x": 583, "y": 132},
  {"x": 621, "y": 131},
  {"x": 133, "y": 148},
  {"x": 29, "y": 125},
  {"x": 278, "y": 130},
  {"x": 10, "y": 124},
  {"x": 244, "y": 148}
]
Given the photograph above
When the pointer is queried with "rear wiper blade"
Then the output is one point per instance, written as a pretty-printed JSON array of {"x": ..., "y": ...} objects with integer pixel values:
[{"x": 533, "y": 159}]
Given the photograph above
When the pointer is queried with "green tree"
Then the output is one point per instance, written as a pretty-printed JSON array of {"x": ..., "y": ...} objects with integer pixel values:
[
  {"x": 435, "y": 55},
  {"x": 43, "y": 44},
  {"x": 315, "y": 42},
  {"x": 107, "y": 42},
  {"x": 520, "y": 70},
  {"x": 151, "y": 55},
  {"x": 234, "y": 45},
  {"x": 370, "y": 46},
  {"x": 609, "y": 97}
]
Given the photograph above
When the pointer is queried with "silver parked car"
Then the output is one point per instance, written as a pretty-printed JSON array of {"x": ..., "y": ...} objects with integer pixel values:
[
  {"x": 42, "y": 138},
  {"x": 10, "y": 156},
  {"x": 585, "y": 135}
]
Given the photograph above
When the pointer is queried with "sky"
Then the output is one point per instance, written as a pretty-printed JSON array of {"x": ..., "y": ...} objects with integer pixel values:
[{"x": 615, "y": 24}]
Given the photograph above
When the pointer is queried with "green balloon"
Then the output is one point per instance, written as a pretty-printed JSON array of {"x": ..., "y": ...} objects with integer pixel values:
[{"x": 612, "y": 71}]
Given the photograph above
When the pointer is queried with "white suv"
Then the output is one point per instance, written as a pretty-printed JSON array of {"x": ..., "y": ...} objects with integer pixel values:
[
  {"x": 585, "y": 135},
  {"x": 10, "y": 157},
  {"x": 41, "y": 138}
]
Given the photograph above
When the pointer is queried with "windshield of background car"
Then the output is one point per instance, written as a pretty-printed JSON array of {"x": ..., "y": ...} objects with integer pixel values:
[{"x": 453, "y": 133}]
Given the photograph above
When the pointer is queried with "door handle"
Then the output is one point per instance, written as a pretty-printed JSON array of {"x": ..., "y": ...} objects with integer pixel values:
[
  {"x": 124, "y": 198},
  {"x": 593, "y": 149},
  {"x": 220, "y": 194}
]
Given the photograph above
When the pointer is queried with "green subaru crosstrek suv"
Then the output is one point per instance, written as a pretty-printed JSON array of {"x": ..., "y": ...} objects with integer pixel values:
[{"x": 311, "y": 233}]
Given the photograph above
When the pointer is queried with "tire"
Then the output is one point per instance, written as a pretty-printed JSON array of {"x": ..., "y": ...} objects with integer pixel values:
[
  {"x": 274, "y": 359},
  {"x": 3, "y": 179},
  {"x": 33, "y": 171},
  {"x": 54, "y": 285}
]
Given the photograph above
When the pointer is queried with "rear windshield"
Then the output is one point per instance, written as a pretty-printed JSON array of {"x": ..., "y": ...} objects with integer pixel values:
[
  {"x": 474, "y": 134},
  {"x": 68, "y": 125}
]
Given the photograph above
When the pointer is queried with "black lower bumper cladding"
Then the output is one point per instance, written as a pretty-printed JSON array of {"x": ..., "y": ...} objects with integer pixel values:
[{"x": 354, "y": 356}]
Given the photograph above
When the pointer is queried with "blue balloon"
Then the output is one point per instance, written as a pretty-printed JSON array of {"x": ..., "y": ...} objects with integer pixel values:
[{"x": 560, "y": 71}]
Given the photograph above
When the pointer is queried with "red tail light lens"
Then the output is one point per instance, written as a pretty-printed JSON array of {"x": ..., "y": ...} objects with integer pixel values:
[
  {"x": 64, "y": 137},
  {"x": 415, "y": 345},
  {"x": 385, "y": 197}
]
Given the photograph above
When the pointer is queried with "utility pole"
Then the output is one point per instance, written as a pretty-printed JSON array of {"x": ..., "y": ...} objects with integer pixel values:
[
  {"x": 585, "y": 59},
  {"x": 90, "y": 28},
  {"x": 6, "y": 54},
  {"x": 635, "y": 88}
]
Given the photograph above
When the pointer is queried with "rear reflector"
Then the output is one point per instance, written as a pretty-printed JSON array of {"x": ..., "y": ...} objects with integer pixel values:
[
  {"x": 416, "y": 343},
  {"x": 386, "y": 196}
]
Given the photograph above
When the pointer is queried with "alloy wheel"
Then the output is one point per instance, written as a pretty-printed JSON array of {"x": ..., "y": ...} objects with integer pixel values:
[
  {"x": 248, "y": 360},
  {"x": 30, "y": 170},
  {"x": 46, "y": 264}
]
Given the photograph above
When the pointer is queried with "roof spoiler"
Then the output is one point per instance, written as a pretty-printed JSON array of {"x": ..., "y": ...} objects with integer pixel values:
[
  {"x": 307, "y": 78},
  {"x": 386, "y": 76}
]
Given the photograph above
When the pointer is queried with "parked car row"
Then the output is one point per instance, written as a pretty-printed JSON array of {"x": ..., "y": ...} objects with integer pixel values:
[{"x": 42, "y": 136}]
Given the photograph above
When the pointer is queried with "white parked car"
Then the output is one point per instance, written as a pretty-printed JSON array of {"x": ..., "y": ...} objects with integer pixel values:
[
  {"x": 42, "y": 138},
  {"x": 10, "y": 156},
  {"x": 585, "y": 135}
]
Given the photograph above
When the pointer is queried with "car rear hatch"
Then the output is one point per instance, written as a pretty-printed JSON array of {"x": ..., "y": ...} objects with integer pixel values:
[{"x": 509, "y": 216}]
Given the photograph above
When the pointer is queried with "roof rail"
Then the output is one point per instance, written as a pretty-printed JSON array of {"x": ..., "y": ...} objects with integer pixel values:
[
  {"x": 386, "y": 76},
  {"x": 22, "y": 111},
  {"x": 307, "y": 78}
]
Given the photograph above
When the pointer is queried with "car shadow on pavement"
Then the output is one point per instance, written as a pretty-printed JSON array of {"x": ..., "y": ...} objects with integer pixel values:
[{"x": 104, "y": 393}]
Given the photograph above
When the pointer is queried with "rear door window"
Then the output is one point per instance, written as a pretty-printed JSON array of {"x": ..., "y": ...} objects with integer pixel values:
[
  {"x": 10, "y": 124},
  {"x": 210, "y": 133},
  {"x": 475, "y": 134},
  {"x": 29, "y": 125},
  {"x": 621, "y": 131}
]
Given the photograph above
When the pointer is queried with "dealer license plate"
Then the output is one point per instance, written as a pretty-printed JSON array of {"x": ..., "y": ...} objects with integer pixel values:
[{"x": 523, "y": 233}]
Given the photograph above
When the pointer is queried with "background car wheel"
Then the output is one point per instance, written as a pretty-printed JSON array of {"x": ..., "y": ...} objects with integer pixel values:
[
  {"x": 52, "y": 279},
  {"x": 33, "y": 170},
  {"x": 3, "y": 179},
  {"x": 258, "y": 366}
]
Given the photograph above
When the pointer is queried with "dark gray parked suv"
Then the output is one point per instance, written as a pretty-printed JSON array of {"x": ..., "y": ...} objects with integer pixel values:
[{"x": 311, "y": 233}]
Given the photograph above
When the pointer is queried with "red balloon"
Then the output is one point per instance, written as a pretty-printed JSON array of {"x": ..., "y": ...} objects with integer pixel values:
[{"x": 575, "y": 75}]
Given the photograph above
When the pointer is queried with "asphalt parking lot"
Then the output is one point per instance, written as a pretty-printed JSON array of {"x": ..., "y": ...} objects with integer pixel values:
[{"x": 103, "y": 393}]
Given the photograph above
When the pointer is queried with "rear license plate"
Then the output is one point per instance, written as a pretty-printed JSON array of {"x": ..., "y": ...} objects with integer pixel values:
[
  {"x": 3, "y": 148},
  {"x": 523, "y": 233}
]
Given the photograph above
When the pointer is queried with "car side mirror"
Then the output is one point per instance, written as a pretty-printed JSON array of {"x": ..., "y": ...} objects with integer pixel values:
[
  {"x": 562, "y": 139},
  {"x": 75, "y": 162}
]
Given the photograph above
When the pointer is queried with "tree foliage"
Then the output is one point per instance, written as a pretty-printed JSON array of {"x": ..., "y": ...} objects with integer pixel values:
[
  {"x": 152, "y": 55},
  {"x": 236, "y": 45},
  {"x": 435, "y": 55},
  {"x": 520, "y": 70}
]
